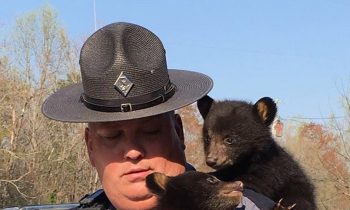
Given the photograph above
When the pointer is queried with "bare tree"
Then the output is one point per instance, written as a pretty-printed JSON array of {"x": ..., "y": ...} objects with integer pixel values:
[
  {"x": 43, "y": 161},
  {"x": 318, "y": 149}
]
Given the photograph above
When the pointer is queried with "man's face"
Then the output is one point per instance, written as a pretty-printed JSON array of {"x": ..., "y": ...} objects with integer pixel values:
[{"x": 125, "y": 152}]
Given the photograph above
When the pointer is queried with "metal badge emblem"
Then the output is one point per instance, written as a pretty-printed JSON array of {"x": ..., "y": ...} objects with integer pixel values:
[{"x": 123, "y": 84}]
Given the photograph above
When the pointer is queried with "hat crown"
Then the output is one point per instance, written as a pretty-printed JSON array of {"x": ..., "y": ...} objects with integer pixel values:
[
  {"x": 123, "y": 49},
  {"x": 124, "y": 77}
]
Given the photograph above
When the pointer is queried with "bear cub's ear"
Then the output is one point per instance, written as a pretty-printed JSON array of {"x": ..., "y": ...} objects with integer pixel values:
[
  {"x": 156, "y": 182},
  {"x": 265, "y": 109},
  {"x": 204, "y": 105}
]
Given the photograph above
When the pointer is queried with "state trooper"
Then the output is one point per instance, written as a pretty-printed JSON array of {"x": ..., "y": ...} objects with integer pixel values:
[{"x": 127, "y": 97}]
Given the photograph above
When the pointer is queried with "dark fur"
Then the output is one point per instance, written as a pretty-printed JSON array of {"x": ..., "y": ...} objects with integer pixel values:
[
  {"x": 238, "y": 143},
  {"x": 194, "y": 191}
]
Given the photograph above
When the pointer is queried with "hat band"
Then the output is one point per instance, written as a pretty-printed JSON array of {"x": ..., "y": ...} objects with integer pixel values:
[{"x": 130, "y": 104}]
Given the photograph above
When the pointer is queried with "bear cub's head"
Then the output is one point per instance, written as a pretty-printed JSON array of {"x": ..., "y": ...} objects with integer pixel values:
[
  {"x": 234, "y": 130},
  {"x": 194, "y": 190}
]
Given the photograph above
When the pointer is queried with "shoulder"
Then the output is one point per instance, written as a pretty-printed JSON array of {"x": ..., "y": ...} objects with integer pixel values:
[{"x": 96, "y": 200}]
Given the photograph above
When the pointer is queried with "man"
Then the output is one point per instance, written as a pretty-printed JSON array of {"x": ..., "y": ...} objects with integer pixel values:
[{"x": 128, "y": 97}]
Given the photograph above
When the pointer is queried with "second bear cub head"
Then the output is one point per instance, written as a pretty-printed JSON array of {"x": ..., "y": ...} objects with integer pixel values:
[
  {"x": 235, "y": 130},
  {"x": 194, "y": 190}
]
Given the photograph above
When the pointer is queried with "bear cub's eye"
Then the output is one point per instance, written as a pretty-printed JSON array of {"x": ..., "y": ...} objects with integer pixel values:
[
  {"x": 213, "y": 180},
  {"x": 229, "y": 140},
  {"x": 207, "y": 138}
]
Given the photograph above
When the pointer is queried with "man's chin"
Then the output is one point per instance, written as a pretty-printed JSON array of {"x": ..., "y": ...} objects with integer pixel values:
[
  {"x": 140, "y": 197},
  {"x": 148, "y": 204},
  {"x": 140, "y": 192}
]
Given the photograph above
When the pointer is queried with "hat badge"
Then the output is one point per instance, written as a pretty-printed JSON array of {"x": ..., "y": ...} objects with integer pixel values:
[{"x": 123, "y": 84}]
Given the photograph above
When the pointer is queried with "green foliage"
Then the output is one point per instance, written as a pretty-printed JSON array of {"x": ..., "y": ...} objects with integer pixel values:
[{"x": 53, "y": 197}]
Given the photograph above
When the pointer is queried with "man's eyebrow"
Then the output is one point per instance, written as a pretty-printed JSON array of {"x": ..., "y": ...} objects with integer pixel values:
[{"x": 148, "y": 119}]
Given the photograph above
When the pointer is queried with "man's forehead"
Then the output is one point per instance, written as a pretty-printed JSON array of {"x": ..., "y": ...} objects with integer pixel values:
[{"x": 126, "y": 122}]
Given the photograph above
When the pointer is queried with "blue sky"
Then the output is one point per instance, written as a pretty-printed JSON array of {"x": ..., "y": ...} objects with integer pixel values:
[{"x": 297, "y": 52}]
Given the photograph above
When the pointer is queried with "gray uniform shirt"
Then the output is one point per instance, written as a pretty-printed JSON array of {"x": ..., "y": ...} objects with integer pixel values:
[{"x": 255, "y": 201}]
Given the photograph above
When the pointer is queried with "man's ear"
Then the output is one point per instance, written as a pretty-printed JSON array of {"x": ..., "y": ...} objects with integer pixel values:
[
  {"x": 156, "y": 183},
  {"x": 89, "y": 147},
  {"x": 204, "y": 105},
  {"x": 265, "y": 109},
  {"x": 179, "y": 129}
]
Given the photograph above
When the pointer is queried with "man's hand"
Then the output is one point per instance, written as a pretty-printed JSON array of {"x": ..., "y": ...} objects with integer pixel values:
[{"x": 279, "y": 206}]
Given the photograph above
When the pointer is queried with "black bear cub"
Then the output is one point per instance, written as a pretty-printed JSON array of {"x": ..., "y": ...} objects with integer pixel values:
[
  {"x": 239, "y": 145},
  {"x": 194, "y": 191}
]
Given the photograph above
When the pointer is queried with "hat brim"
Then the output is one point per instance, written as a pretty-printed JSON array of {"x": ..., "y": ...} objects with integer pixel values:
[{"x": 65, "y": 105}]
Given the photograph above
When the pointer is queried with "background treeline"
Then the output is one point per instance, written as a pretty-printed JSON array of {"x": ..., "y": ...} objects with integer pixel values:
[
  {"x": 41, "y": 161},
  {"x": 44, "y": 161}
]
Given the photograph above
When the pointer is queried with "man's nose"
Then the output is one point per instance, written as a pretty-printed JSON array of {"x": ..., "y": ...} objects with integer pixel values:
[{"x": 134, "y": 150}]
